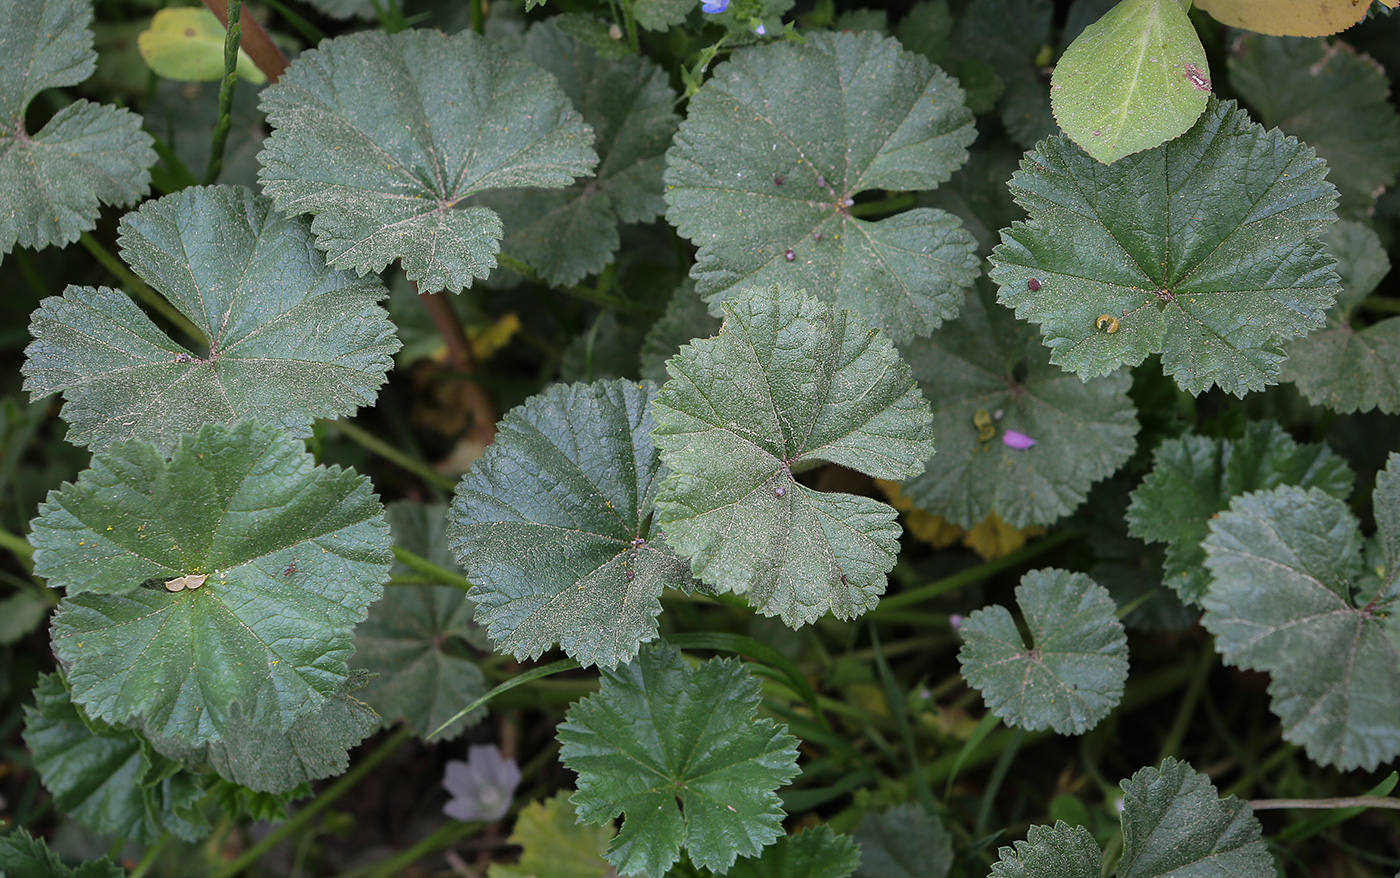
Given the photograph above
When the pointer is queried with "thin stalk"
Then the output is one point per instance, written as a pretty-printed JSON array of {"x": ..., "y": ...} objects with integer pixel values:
[
  {"x": 438, "y": 839},
  {"x": 459, "y": 349},
  {"x": 323, "y": 801},
  {"x": 375, "y": 445},
  {"x": 631, "y": 25},
  {"x": 439, "y": 575},
  {"x": 478, "y": 17},
  {"x": 1327, "y": 804},
  {"x": 18, "y": 546},
  {"x": 899, "y": 712},
  {"x": 893, "y": 603},
  {"x": 1186, "y": 707},
  {"x": 137, "y": 287},
  {"x": 585, "y": 293},
  {"x": 148, "y": 859},
  {"x": 519, "y": 679},
  {"x": 255, "y": 42},
  {"x": 232, "y": 38}
]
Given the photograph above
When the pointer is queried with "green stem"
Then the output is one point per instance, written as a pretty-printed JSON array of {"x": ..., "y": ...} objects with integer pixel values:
[
  {"x": 149, "y": 858},
  {"x": 137, "y": 287},
  {"x": 232, "y": 38},
  {"x": 375, "y": 445},
  {"x": 894, "y": 603},
  {"x": 631, "y": 26},
  {"x": 439, "y": 575},
  {"x": 533, "y": 674},
  {"x": 1186, "y": 707},
  {"x": 1384, "y": 304},
  {"x": 18, "y": 546},
  {"x": 478, "y": 17},
  {"x": 440, "y": 838},
  {"x": 327, "y": 798},
  {"x": 585, "y": 293},
  {"x": 1327, "y": 804}
]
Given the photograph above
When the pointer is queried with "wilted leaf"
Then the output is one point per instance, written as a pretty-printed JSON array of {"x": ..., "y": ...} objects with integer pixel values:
[
  {"x": 554, "y": 526},
  {"x": 1199, "y": 250},
  {"x": 778, "y": 143},
  {"x": 679, "y": 750},
  {"x": 290, "y": 339},
  {"x": 294, "y": 555},
  {"x": 381, "y": 137},
  {"x": 788, "y": 382}
]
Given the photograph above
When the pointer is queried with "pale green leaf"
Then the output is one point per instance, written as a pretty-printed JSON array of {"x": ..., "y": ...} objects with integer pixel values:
[
  {"x": 381, "y": 137},
  {"x": 1135, "y": 78},
  {"x": 1329, "y": 96},
  {"x": 1286, "y": 565},
  {"x": 812, "y": 853},
  {"x": 291, "y": 340},
  {"x": 1175, "y": 824},
  {"x": 903, "y": 842},
  {"x": 788, "y": 383},
  {"x": 987, "y": 368},
  {"x": 568, "y": 233},
  {"x": 52, "y": 182},
  {"x": 1070, "y": 675},
  {"x": 293, "y": 555},
  {"x": 1349, "y": 366},
  {"x": 1195, "y": 477},
  {"x": 417, "y": 640},
  {"x": 1205, "y": 249},
  {"x": 553, "y": 843},
  {"x": 679, "y": 750},
  {"x": 661, "y": 14},
  {"x": 778, "y": 143},
  {"x": 554, "y": 526},
  {"x": 187, "y": 44}
]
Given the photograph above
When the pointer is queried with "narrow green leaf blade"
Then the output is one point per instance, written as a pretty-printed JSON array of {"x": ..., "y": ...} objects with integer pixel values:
[
  {"x": 293, "y": 555},
  {"x": 988, "y": 368},
  {"x": 291, "y": 340},
  {"x": 788, "y": 382},
  {"x": 1194, "y": 477},
  {"x": 381, "y": 136},
  {"x": 679, "y": 750},
  {"x": 1135, "y": 78},
  {"x": 1174, "y": 824},
  {"x": 553, "y": 526},
  {"x": 777, "y": 144},
  {"x": 1200, "y": 250},
  {"x": 1070, "y": 676},
  {"x": 1283, "y": 600}
]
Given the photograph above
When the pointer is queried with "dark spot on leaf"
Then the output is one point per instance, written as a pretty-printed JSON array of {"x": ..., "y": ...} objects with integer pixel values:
[
  {"x": 1033, "y": 285},
  {"x": 780, "y": 491},
  {"x": 1197, "y": 77},
  {"x": 789, "y": 255},
  {"x": 189, "y": 32},
  {"x": 779, "y": 180}
]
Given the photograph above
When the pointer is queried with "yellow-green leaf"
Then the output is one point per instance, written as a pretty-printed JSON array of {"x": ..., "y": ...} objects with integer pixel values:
[
  {"x": 1289, "y": 18},
  {"x": 188, "y": 44}
]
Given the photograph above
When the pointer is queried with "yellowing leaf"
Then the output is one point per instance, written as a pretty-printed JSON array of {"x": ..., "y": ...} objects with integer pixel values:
[
  {"x": 924, "y": 526},
  {"x": 188, "y": 45},
  {"x": 993, "y": 538},
  {"x": 487, "y": 340},
  {"x": 555, "y": 844},
  {"x": 1289, "y": 18}
]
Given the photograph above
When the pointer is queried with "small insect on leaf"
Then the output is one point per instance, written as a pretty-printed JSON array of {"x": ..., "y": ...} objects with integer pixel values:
[
  {"x": 1107, "y": 322},
  {"x": 290, "y": 568},
  {"x": 789, "y": 255},
  {"x": 1033, "y": 285},
  {"x": 191, "y": 580}
]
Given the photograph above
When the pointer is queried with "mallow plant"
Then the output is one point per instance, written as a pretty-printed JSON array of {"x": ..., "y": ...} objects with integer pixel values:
[{"x": 676, "y": 438}]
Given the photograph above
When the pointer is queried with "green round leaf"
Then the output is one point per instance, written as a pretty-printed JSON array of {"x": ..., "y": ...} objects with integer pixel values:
[
  {"x": 416, "y": 640},
  {"x": 1135, "y": 78},
  {"x": 1194, "y": 477},
  {"x": 1284, "y": 599},
  {"x": 290, "y": 339},
  {"x": 293, "y": 554},
  {"x": 903, "y": 842},
  {"x": 1063, "y": 851},
  {"x": 1073, "y": 672},
  {"x": 778, "y": 143},
  {"x": 27, "y": 857},
  {"x": 679, "y": 750},
  {"x": 788, "y": 382},
  {"x": 986, "y": 367},
  {"x": 382, "y": 136},
  {"x": 811, "y": 853},
  {"x": 553, "y": 525},
  {"x": 1198, "y": 250}
]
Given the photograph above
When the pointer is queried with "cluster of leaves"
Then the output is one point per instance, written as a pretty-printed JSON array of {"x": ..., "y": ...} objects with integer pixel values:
[{"x": 224, "y": 634}]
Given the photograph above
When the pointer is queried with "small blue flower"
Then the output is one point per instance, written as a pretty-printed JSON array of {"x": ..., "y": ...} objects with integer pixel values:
[
  {"x": 760, "y": 29},
  {"x": 714, "y": 7}
]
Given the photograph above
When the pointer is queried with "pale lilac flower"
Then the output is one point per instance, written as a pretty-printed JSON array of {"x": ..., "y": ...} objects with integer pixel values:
[
  {"x": 955, "y": 621},
  {"x": 482, "y": 787},
  {"x": 714, "y": 7},
  {"x": 1016, "y": 439},
  {"x": 760, "y": 29}
]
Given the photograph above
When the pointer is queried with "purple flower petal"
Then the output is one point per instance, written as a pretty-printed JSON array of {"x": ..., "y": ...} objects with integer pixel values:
[
  {"x": 714, "y": 7},
  {"x": 482, "y": 787},
  {"x": 760, "y": 29},
  {"x": 1016, "y": 439}
]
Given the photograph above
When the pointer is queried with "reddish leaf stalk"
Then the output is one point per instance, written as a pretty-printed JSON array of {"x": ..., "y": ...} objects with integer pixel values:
[{"x": 459, "y": 350}]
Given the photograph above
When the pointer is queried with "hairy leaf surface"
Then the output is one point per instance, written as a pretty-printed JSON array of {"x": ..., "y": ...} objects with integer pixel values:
[
  {"x": 1195, "y": 477},
  {"x": 812, "y": 853},
  {"x": 415, "y": 637},
  {"x": 52, "y": 182},
  {"x": 290, "y": 339},
  {"x": 679, "y": 750},
  {"x": 554, "y": 526},
  {"x": 293, "y": 555},
  {"x": 1286, "y": 599},
  {"x": 903, "y": 842},
  {"x": 25, "y": 856},
  {"x": 788, "y": 383},
  {"x": 986, "y": 374},
  {"x": 1072, "y": 673},
  {"x": 1349, "y": 366},
  {"x": 777, "y": 144},
  {"x": 1205, "y": 250},
  {"x": 382, "y": 136}
]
